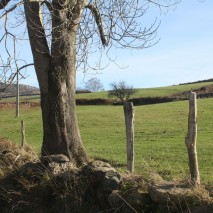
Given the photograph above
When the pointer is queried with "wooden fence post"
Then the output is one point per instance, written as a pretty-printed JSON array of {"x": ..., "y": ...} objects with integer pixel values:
[
  {"x": 191, "y": 139},
  {"x": 129, "y": 121},
  {"x": 22, "y": 134}
]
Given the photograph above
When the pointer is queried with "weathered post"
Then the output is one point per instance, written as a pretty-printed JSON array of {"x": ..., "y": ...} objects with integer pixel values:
[
  {"x": 23, "y": 141},
  {"x": 129, "y": 121},
  {"x": 191, "y": 139}
]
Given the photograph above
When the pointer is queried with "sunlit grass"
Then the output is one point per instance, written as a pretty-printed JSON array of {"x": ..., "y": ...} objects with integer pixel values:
[{"x": 160, "y": 132}]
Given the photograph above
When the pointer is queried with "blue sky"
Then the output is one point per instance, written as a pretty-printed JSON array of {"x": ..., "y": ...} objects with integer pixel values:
[{"x": 183, "y": 54}]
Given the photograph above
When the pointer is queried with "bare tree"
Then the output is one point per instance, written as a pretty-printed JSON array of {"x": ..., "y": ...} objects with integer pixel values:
[
  {"x": 94, "y": 85},
  {"x": 62, "y": 34},
  {"x": 121, "y": 90}
]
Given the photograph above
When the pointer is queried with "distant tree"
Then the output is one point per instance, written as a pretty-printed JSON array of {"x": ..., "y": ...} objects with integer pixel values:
[
  {"x": 94, "y": 85},
  {"x": 121, "y": 90}
]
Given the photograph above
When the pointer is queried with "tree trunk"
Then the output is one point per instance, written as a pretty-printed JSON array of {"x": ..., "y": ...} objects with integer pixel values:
[
  {"x": 61, "y": 131},
  {"x": 57, "y": 76},
  {"x": 62, "y": 134}
]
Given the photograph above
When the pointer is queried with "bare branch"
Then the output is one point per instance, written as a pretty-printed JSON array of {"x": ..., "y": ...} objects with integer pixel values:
[
  {"x": 98, "y": 21},
  {"x": 103, "y": 23},
  {"x": 175, "y": 2},
  {"x": 26, "y": 65},
  {"x": 48, "y": 4},
  {"x": 13, "y": 75},
  {"x": 11, "y": 9},
  {"x": 3, "y": 3}
]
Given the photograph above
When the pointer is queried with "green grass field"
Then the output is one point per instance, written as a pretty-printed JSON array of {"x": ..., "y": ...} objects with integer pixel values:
[{"x": 160, "y": 132}]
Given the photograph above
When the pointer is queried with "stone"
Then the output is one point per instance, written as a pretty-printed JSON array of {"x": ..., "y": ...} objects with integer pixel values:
[
  {"x": 97, "y": 166},
  {"x": 115, "y": 200},
  {"x": 38, "y": 168},
  {"x": 103, "y": 179},
  {"x": 166, "y": 191},
  {"x": 32, "y": 170},
  {"x": 59, "y": 158},
  {"x": 173, "y": 194},
  {"x": 118, "y": 203},
  {"x": 60, "y": 168},
  {"x": 102, "y": 173},
  {"x": 139, "y": 198},
  {"x": 133, "y": 201}
]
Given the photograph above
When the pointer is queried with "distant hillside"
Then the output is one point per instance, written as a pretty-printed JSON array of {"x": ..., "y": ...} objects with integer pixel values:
[
  {"x": 149, "y": 92},
  {"x": 201, "y": 81},
  {"x": 204, "y": 89},
  {"x": 202, "y": 92},
  {"x": 11, "y": 90}
]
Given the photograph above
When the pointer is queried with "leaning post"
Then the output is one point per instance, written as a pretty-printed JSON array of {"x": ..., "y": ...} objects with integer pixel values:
[
  {"x": 129, "y": 122},
  {"x": 191, "y": 139}
]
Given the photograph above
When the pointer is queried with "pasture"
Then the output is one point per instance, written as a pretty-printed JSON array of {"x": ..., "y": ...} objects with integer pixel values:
[{"x": 160, "y": 132}]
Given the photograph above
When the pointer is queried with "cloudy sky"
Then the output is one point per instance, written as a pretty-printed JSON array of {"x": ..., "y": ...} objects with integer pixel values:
[{"x": 183, "y": 54}]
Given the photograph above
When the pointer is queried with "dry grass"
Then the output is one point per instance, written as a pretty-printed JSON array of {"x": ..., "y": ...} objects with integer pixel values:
[
  {"x": 32, "y": 191},
  {"x": 24, "y": 105},
  {"x": 12, "y": 156},
  {"x": 27, "y": 185}
]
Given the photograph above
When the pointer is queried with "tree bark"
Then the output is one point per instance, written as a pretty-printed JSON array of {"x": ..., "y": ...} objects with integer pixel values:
[{"x": 56, "y": 73}]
